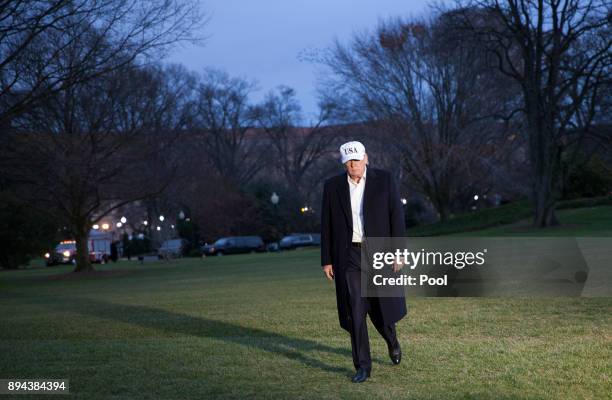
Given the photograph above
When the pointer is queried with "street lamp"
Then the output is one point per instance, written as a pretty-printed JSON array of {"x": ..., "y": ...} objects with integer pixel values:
[
  {"x": 274, "y": 199},
  {"x": 105, "y": 226},
  {"x": 181, "y": 215},
  {"x": 161, "y": 218},
  {"x": 123, "y": 220},
  {"x": 96, "y": 226}
]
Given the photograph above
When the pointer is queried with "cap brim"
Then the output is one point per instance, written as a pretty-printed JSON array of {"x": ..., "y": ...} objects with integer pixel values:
[{"x": 352, "y": 157}]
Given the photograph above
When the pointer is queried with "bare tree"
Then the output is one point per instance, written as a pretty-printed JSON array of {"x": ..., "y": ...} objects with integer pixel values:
[
  {"x": 298, "y": 146},
  {"x": 559, "y": 53},
  {"x": 432, "y": 94},
  {"x": 224, "y": 119},
  {"x": 36, "y": 35},
  {"x": 72, "y": 108},
  {"x": 97, "y": 146}
]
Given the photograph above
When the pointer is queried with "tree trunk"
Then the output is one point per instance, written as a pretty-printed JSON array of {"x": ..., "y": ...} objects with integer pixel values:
[
  {"x": 83, "y": 263},
  {"x": 544, "y": 209},
  {"x": 544, "y": 157},
  {"x": 545, "y": 167}
]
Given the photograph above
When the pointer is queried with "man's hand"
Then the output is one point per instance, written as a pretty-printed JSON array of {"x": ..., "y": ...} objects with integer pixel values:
[
  {"x": 397, "y": 266},
  {"x": 328, "y": 271}
]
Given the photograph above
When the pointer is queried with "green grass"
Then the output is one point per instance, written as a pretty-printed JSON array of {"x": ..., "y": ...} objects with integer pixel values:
[
  {"x": 476, "y": 220},
  {"x": 498, "y": 218},
  {"x": 579, "y": 222},
  {"x": 265, "y": 326}
]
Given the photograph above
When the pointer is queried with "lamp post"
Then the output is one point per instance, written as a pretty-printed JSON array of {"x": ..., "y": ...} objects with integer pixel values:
[
  {"x": 274, "y": 199},
  {"x": 123, "y": 238},
  {"x": 161, "y": 231}
]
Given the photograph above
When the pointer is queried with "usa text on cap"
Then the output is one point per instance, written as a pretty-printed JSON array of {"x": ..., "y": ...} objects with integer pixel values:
[{"x": 352, "y": 151}]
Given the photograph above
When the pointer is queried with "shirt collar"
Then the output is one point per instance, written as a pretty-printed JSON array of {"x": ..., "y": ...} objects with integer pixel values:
[{"x": 365, "y": 171}]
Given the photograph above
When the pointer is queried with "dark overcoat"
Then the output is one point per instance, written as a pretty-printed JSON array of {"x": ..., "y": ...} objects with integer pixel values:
[{"x": 383, "y": 216}]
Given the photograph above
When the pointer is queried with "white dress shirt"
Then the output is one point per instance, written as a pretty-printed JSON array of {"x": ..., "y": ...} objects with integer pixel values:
[{"x": 356, "y": 191}]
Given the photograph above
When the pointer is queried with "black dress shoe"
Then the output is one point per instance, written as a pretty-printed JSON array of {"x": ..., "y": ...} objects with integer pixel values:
[
  {"x": 361, "y": 375},
  {"x": 395, "y": 353}
]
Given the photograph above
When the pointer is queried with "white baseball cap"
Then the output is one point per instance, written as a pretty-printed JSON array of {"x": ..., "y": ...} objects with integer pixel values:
[{"x": 352, "y": 151}]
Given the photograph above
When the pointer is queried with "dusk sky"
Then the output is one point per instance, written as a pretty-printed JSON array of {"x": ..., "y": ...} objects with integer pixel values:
[{"x": 262, "y": 39}]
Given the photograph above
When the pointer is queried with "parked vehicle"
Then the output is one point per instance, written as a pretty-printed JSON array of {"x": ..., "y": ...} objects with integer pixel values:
[
  {"x": 98, "y": 245},
  {"x": 296, "y": 240},
  {"x": 235, "y": 245},
  {"x": 173, "y": 248},
  {"x": 64, "y": 253}
]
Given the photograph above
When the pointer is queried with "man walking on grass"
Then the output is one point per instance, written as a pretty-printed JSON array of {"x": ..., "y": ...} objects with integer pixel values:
[{"x": 361, "y": 201}]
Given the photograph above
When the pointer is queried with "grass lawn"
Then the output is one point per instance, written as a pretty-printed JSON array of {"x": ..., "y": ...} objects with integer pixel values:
[
  {"x": 581, "y": 222},
  {"x": 265, "y": 326},
  {"x": 520, "y": 214}
]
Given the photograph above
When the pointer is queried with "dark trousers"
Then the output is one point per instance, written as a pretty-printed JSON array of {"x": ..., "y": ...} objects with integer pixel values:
[{"x": 359, "y": 307}]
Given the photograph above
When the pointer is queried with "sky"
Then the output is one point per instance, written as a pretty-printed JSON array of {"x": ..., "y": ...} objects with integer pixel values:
[{"x": 262, "y": 40}]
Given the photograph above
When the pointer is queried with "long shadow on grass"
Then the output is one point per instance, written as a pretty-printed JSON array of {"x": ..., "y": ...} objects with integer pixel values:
[{"x": 289, "y": 347}]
